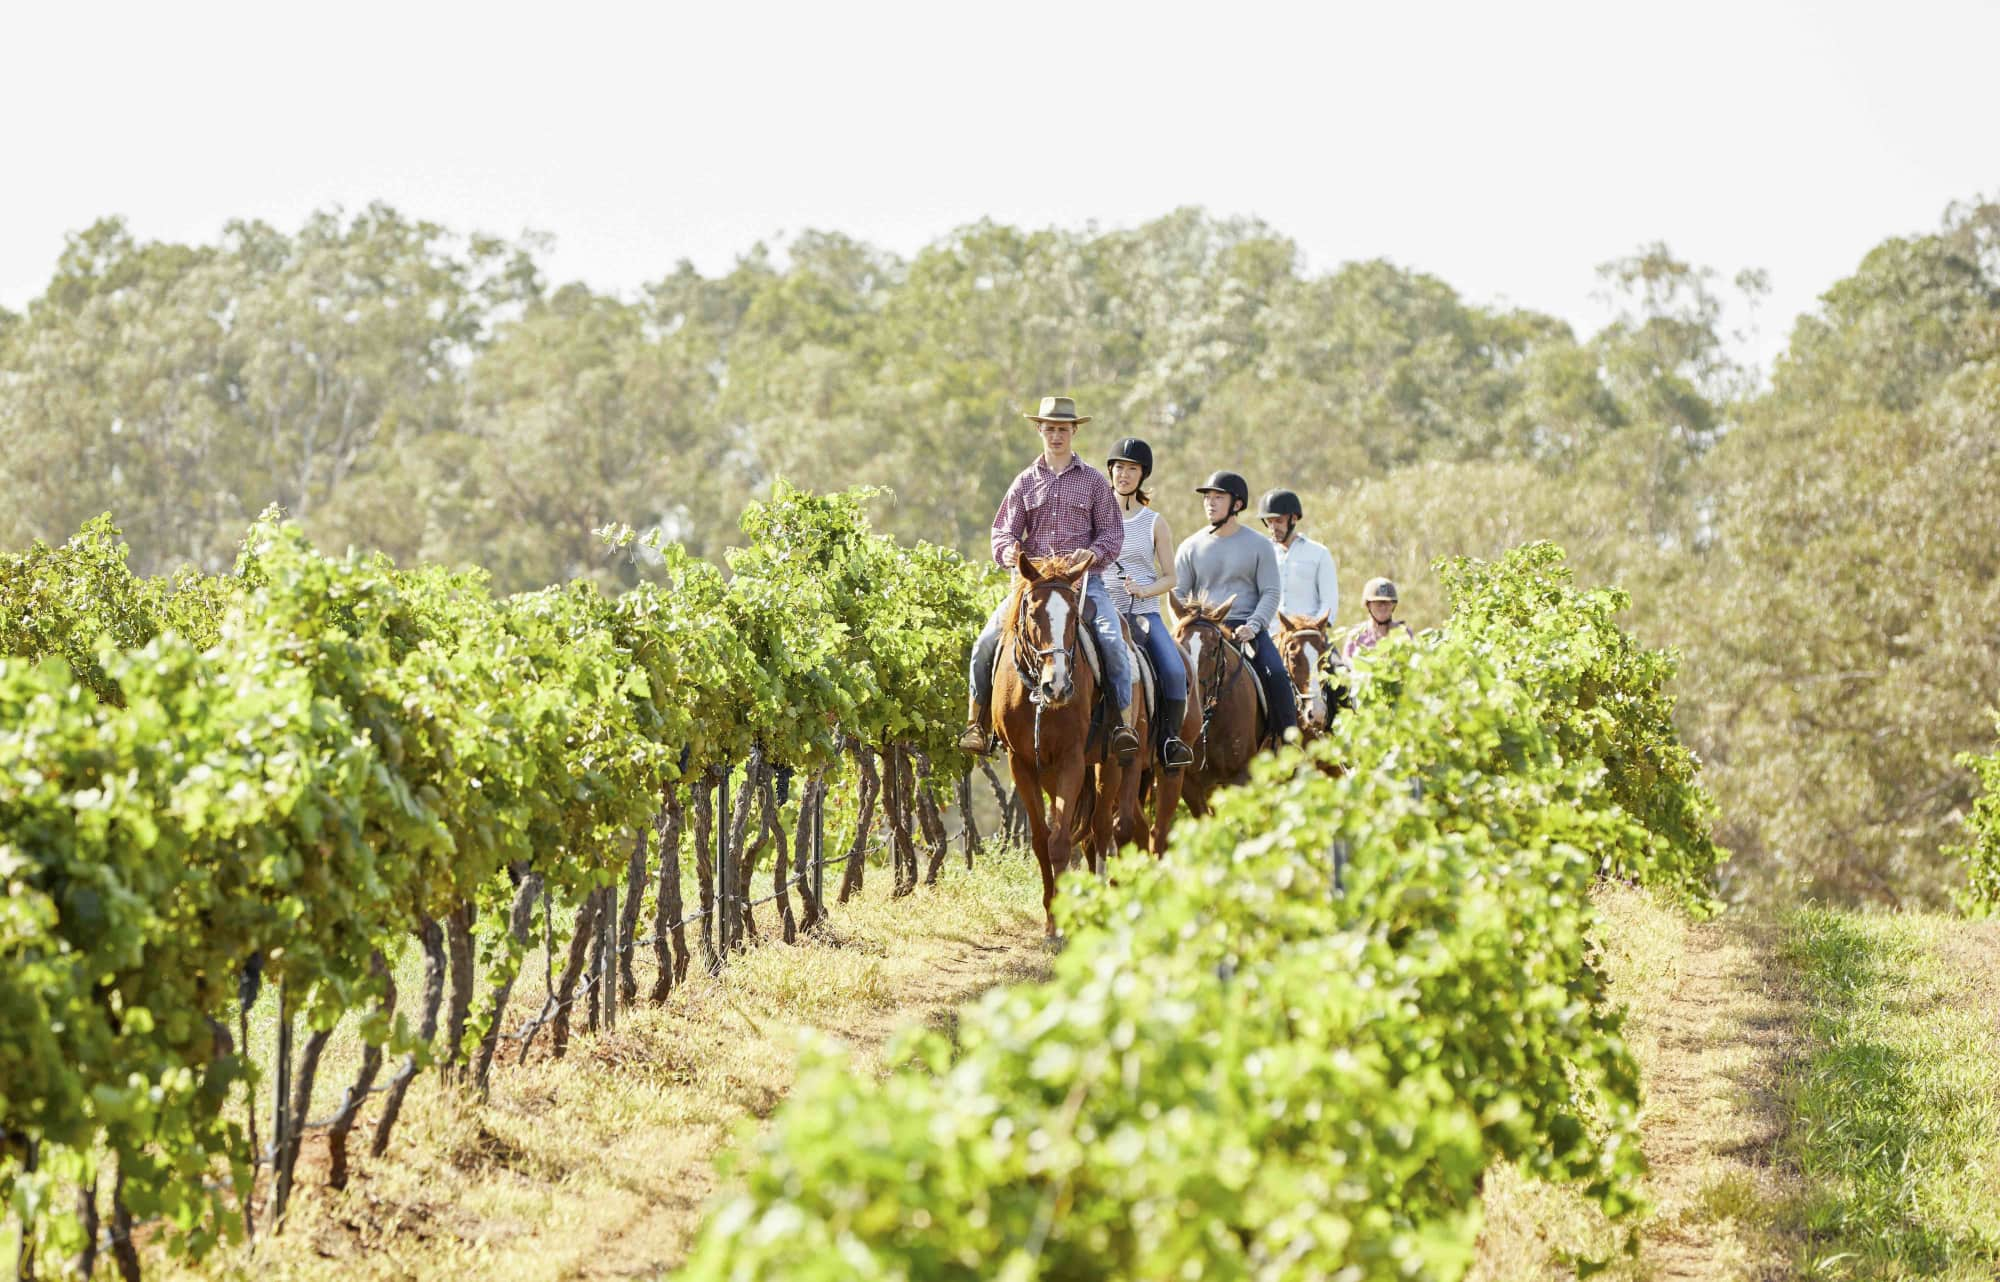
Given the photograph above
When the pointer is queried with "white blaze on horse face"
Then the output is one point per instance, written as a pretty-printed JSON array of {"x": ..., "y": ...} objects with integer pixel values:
[
  {"x": 1314, "y": 684},
  {"x": 1056, "y": 675},
  {"x": 1194, "y": 650}
]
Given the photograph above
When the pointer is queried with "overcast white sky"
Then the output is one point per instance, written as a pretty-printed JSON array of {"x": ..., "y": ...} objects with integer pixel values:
[{"x": 1508, "y": 148}]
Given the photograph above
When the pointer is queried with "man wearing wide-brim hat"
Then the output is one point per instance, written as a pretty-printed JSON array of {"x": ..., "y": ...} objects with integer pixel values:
[{"x": 1058, "y": 506}]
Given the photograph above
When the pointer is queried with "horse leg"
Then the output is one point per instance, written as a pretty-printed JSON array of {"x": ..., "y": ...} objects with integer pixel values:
[
  {"x": 1065, "y": 786},
  {"x": 1028, "y": 794},
  {"x": 1166, "y": 796}
]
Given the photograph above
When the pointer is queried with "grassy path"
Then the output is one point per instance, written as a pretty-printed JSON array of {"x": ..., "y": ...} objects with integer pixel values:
[
  {"x": 1714, "y": 1022},
  {"x": 1823, "y": 1101},
  {"x": 1897, "y": 1114},
  {"x": 599, "y": 1165}
]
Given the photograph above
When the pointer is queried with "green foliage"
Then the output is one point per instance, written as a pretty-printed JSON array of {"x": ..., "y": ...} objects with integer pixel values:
[
  {"x": 1602, "y": 697},
  {"x": 1291, "y": 1048},
  {"x": 1981, "y": 852},
  {"x": 300, "y": 762}
]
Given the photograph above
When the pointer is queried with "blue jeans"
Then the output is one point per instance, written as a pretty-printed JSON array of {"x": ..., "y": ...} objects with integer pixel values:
[
  {"x": 1152, "y": 633},
  {"x": 1277, "y": 683},
  {"x": 1110, "y": 643}
]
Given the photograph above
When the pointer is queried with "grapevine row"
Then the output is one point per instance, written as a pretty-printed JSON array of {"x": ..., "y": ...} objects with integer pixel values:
[
  {"x": 279, "y": 776},
  {"x": 1293, "y": 1047}
]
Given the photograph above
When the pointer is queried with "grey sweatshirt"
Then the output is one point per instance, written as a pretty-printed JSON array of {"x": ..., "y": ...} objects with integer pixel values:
[{"x": 1244, "y": 565}]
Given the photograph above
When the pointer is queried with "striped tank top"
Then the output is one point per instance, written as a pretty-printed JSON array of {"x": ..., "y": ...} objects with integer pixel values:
[{"x": 1136, "y": 563}]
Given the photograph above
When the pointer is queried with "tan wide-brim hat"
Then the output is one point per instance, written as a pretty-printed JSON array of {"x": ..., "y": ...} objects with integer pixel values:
[{"x": 1058, "y": 409}]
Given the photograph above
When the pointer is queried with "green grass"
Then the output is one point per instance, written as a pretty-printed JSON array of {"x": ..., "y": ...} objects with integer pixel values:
[{"x": 1896, "y": 1110}]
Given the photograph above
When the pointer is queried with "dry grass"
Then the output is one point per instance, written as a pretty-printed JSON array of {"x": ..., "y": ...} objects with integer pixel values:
[
  {"x": 1714, "y": 1022},
  {"x": 599, "y": 1165}
]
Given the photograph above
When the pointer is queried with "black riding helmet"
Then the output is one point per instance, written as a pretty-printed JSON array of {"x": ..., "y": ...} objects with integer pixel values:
[
  {"x": 1228, "y": 483},
  {"x": 1281, "y": 503},
  {"x": 1132, "y": 450}
]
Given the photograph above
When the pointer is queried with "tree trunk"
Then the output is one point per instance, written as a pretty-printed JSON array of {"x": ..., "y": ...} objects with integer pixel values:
[
  {"x": 811, "y": 848},
  {"x": 565, "y": 994},
  {"x": 931, "y": 821},
  {"x": 628, "y": 919},
  {"x": 668, "y": 929},
  {"x": 704, "y": 870},
  {"x": 517, "y": 925},
  {"x": 857, "y": 854},
  {"x": 739, "y": 826},
  {"x": 969, "y": 839},
  {"x": 781, "y": 866},
  {"x": 295, "y": 1131},
  {"x": 123, "y": 1251},
  {"x": 431, "y": 938},
  {"x": 594, "y": 970},
  {"x": 896, "y": 797},
  {"x": 86, "y": 1215},
  {"x": 357, "y": 1094},
  {"x": 458, "y": 940}
]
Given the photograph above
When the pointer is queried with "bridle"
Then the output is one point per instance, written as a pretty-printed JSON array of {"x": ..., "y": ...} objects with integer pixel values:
[
  {"x": 1320, "y": 670},
  {"x": 1211, "y": 698},
  {"x": 1023, "y": 646}
]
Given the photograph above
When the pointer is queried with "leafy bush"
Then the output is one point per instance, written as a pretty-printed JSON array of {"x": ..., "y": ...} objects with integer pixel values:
[
  {"x": 1982, "y": 852},
  {"x": 1292, "y": 1048},
  {"x": 280, "y": 775}
]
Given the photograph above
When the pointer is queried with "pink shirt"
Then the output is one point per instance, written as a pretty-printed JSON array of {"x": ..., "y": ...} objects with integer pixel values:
[
  {"x": 1369, "y": 634},
  {"x": 1047, "y": 513}
]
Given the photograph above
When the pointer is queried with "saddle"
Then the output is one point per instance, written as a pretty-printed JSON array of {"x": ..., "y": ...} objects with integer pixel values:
[{"x": 1256, "y": 683}]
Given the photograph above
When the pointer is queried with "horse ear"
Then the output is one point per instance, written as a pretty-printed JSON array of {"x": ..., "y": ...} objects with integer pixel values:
[
  {"x": 1287, "y": 622},
  {"x": 1221, "y": 612},
  {"x": 1319, "y": 621},
  {"x": 1179, "y": 603},
  {"x": 1029, "y": 570}
]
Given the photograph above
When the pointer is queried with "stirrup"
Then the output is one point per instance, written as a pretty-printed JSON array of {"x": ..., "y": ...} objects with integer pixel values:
[
  {"x": 1124, "y": 743},
  {"x": 976, "y": 740},
  {"x": 1175, "y": 754}
]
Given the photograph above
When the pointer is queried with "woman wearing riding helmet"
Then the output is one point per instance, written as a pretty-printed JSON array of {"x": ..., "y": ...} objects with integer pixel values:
[
  {"x": 1143, "y": 573},
  {"x": 1380, "y": 599}
]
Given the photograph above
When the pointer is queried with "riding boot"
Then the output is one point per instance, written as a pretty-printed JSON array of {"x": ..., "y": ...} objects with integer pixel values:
[
  {"x": 978, "y": 736},
  {"x": 1174, "y": 754},
  {"x": 1124, "y": 739}
]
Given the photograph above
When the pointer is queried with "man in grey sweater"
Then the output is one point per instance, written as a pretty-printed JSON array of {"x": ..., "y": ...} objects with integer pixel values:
[{"x": 1225, "y": 560}]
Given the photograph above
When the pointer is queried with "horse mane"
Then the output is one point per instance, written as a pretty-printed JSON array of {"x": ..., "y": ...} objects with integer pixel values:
[{"x": 1204, "y": 609}]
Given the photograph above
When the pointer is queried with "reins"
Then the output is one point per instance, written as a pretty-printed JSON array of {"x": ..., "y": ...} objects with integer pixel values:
[
  {"x": 1019, "y": 643},
  {"x": 1210, "y": 700}
]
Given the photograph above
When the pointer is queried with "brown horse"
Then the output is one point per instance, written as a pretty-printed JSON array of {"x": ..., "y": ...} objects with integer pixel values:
[
  {"x": 1043, "y": 694},
  {"x": 1309, "y": 653},
  {"x": 1146, "y": 781},
  {"x": 1222, "y": 690}
]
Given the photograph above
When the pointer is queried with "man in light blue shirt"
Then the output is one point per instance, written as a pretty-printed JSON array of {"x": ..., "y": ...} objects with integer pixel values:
[{"x": 1310, "y": 583}]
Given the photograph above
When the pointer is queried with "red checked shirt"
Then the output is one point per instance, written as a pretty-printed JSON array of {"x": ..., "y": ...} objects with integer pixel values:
[{"x": 1047, "y": 513}]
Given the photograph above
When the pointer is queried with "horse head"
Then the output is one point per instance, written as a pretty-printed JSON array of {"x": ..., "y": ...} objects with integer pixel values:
[
  {"x": 1203, "y": 629},
  {"x": 1048, "y": 619},
  {"x": 1303, "y": 645}
]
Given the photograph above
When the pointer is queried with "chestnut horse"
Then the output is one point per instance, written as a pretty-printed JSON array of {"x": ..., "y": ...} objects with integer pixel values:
[
  {"x": 1222, "y": 689},
  {"x": 1309, "y": 653},
  {"x": 1122, "y": 810},
  {"x": 1044, "y": 691}
]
